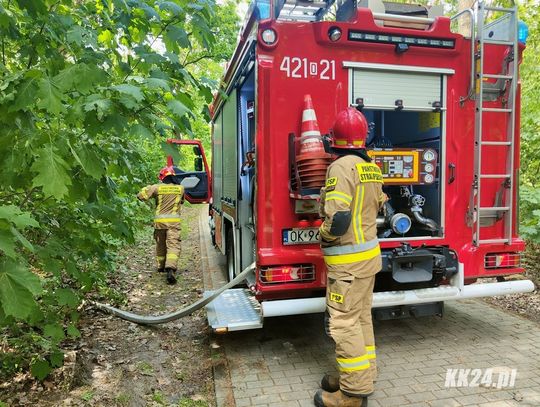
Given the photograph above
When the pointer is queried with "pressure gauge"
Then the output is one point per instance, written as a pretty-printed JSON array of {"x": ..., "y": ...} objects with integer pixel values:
[
  {"x": 408, "y": 158},
  {"x": 429, "y": 155},
  {"x": 428, "y": 178},
  {"x": 429, "y": 168}
]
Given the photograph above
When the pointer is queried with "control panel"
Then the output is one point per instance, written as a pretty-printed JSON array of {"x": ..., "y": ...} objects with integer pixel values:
[{"x": 406, "y": 166}]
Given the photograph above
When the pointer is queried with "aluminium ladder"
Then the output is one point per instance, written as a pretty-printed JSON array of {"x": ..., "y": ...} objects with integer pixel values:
[{"x": 502, "y": 32}]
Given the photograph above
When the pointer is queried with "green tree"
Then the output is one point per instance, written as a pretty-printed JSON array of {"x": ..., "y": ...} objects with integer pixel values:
[
  {"x": 529, "y": 11},
  {"x": 88, "y": 89}
]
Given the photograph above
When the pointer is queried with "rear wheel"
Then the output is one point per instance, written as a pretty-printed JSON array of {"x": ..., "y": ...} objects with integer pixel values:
[{"x": 229, "y": 252}]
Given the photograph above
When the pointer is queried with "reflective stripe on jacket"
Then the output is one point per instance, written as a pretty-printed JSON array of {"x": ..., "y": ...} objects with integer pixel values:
[
  {"x": 169, "y": 199},
  {"x": 353, "y": 193}
]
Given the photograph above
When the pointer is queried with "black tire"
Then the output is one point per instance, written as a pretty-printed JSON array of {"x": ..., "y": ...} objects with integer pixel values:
[{"x": 229, "y": 253}]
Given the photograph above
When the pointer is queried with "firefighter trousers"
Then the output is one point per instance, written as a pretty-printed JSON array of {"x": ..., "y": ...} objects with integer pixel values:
[
  {"x": 349, "y": 324},
  {"x": 167, "y": 247}
]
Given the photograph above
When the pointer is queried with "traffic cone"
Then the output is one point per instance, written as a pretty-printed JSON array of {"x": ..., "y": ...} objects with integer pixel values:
[
  {"x": 311, "y": 161},
  {"x": 310, "y": 135}
]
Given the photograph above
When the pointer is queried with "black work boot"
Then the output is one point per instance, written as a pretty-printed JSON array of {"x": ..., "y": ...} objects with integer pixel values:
[
  {"x": 330, "y": 383},
  {"x": 161, "y": 270},
  {"x": 171, "y": 279},
  {"x": 338, "y": 399}
]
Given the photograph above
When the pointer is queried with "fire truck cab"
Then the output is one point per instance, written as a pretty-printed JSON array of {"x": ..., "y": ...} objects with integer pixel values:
[{"x": 443, "y": 112}]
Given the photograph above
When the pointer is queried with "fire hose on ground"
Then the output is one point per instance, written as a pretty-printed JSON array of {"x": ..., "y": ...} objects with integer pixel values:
[{"x": 162, "y": 319}]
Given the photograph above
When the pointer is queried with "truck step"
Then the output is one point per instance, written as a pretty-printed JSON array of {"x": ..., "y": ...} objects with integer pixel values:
[{"x": 234, "y": 310}]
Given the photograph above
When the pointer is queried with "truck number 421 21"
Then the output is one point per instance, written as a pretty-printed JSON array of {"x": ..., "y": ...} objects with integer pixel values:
[{"x": 296, "y": 67}]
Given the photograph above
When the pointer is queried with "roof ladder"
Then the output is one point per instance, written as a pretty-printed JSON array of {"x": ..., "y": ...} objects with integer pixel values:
[{"x": 503, "y": 33}]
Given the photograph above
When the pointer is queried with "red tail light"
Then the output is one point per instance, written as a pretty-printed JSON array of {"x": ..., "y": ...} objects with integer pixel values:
[
  {"x": 502, "y": 260},
  {"x": 287, "y": 274}
]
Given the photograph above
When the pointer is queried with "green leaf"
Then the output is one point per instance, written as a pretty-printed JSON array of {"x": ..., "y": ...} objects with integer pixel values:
[
  {"x": 22, "y": 239},
  {"x": 173, "y": 151},
  {"x": 27, "y": 91},
  {"x": 177, "y": 108},
  {"x": 17, "y": 288},
  {"x": 178, "y": 35},
  {"x": 171, "y": 7},
  {"x": 73, "y": 332},
  {"x": 50, "y": 96},
  {"x": 19, "y": 218},
  {"x": 66, "y": 296},
  {"x": 40, "y": 369},
  {"x": 75, "y": 35},
  {"x": 51, "y": 172},
  {"x": 89, "y": 160},
  {"x": 157, "y": 83},
  {"x": 131, "y": 90},
  {"x": 98, "y": 103},
  {"x": 57, "y": 359},
  {"x": 106, "y": 37},
  {"x": 139, "y": 131},
  {"x": 7, "y": 243},
  {"x": 34, "y": 7},
  {"x": 54, "y": 331},
  {"x": 128, "y": 102}
]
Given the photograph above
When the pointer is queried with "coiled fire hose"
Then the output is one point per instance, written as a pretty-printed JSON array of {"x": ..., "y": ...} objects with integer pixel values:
[{"x": 161, "y": 319}]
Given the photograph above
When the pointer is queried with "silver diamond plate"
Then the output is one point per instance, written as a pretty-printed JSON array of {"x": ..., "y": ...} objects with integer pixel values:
[{"x": 236, "y": 309}]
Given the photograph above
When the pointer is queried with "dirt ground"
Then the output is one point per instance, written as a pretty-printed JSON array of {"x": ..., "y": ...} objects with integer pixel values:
[{"x": 117, "y": 363}]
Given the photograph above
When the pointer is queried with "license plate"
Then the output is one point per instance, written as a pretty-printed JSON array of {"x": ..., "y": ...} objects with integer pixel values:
[{"x": 300, "y": 236}]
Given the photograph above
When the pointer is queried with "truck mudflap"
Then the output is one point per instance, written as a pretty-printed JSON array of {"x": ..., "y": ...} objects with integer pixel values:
[{"x": 241, "y": 311}]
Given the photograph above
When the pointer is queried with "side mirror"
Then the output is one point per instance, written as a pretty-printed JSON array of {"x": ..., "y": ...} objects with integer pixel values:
[
  {"x": 198, "y": 164},
  {"x": 197, "y": 150}
]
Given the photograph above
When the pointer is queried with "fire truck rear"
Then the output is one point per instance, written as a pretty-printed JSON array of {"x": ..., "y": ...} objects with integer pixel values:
[{"x": 443, "y": 109}]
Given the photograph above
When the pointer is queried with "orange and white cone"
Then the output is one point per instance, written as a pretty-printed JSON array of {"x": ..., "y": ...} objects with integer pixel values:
[
  {"x": 311, "y": 160},
  {"x": 310, "y": 136}
]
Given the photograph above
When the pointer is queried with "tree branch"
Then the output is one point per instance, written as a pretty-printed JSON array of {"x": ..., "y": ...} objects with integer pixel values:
[
  {"x": 51, "y": 9},
  {"x": 206, "y": 56}
]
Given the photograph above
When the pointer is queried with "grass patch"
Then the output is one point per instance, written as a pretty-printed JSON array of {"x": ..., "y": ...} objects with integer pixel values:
[
  {"x": 158, "y": 397},
  {"x": 185, "y": 402},
  {"x": 123, "y": 399},
  {"x": 88, "y": 395},
  {"x": 145, "y": 368}
]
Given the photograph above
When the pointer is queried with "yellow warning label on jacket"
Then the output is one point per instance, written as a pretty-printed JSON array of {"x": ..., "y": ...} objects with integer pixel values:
[
  {"x": 170, "y": 189},
  {"x": 368, "y": 172},
  {"x": 331, "y": 182},
  {"x": 334, "y": 297}
]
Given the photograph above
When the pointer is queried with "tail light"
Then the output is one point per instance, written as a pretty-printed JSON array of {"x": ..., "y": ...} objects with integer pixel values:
[
  {"x": 502, "y": 260},
  {"x": 287, "y": 274}
]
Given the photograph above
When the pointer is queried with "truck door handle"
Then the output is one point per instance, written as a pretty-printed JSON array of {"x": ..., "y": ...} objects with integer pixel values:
[{"x": 452, "y": 169}]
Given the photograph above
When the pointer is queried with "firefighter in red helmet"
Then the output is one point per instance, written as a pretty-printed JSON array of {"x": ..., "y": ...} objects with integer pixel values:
[
  {"x": 169, "y": 198},
  {"x": 350, "y": 201}
]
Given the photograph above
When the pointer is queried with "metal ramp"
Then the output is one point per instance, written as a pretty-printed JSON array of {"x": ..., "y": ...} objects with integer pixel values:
[
  {"x": 503, "y": 33},
  {"x": 236, "y": 309},
  {"x": 303, "y": 10}
]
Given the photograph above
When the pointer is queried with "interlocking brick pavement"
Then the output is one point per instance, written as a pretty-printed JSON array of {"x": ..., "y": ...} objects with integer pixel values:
[{"x": 282, "y": 364}]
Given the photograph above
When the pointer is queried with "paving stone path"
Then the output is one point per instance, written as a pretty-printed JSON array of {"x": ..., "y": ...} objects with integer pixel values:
[{"x": 281, "y": 365}]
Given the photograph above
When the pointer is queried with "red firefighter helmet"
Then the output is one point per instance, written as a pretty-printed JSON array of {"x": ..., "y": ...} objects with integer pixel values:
[
  {"x": 165, "y": 172},
  {"x": 350, "y": 129}
]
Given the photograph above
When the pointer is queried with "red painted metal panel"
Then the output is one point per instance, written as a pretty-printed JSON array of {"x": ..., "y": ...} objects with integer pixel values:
[{"x": 305, "y": 61}]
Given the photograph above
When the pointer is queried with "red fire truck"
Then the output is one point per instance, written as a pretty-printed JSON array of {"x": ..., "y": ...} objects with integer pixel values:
[{"x": 443, "y": 109}]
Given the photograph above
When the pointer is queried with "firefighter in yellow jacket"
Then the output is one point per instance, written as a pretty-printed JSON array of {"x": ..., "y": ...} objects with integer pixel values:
[
  {"x": 169, "y": 198},
  {"x": 350, "y": 201}
]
